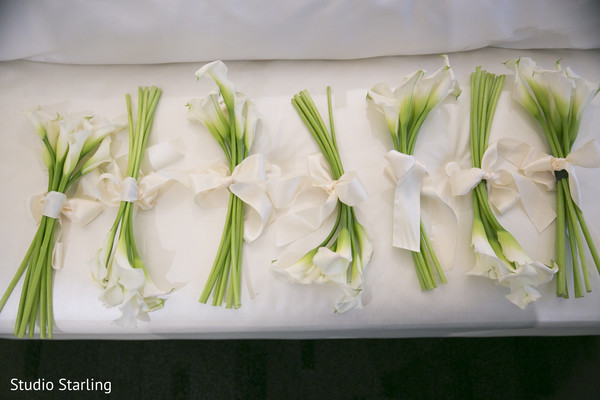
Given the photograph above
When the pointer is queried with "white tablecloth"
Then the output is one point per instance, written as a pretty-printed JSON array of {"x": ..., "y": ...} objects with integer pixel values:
[{"x": 180, "y": 236}]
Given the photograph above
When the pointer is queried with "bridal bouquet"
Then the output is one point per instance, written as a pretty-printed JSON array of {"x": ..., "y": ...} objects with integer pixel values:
[
  {"x": 72, "y": 146},
  {"x": 343, "y": 255},
  {"x": 498, "y": 254},
  {"x": 557, "y": 99},
  {"x": 405, "y": 109},
  {"x": 231, "y": 119},
  {"x": 119, "y": 268}
]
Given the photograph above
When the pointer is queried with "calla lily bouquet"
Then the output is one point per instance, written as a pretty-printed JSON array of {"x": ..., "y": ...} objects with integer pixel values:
[
  {"x": 344, "y": 254},
  {"x": 498, "y": 254},
  {"x": 557, "y": 99},
  {"x": 119, "y": 269},
  {"x": 231, "y": 119},
  {"x": 405, "y": 109},
  {"x": 73, "y": 146}
]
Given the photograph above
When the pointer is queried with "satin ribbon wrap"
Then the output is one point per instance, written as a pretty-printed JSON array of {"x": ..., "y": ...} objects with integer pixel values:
[
  {"x": 586, "y": 156},
  {"x": 247, "y": 181},
  {"x": 56, "y": 205},
  {"x": 314, "y": 198},
  {"x": 408, "y": 175},
  {"x": 505, "y": 183}
]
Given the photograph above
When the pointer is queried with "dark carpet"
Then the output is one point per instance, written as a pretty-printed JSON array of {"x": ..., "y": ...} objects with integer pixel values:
[{"x": 432, "y": 368}]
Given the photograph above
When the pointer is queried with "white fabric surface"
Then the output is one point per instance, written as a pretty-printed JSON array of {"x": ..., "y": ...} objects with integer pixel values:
[
  {"x": 156, "y": 31},
  {"x": 179, "y": 234}
]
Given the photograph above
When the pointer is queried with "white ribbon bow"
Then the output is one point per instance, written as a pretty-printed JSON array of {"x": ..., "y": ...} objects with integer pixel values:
[
  {"x": 408, "y": 175},
  {"x": 505, "y": 185},
  {"x": 311, "y": 211},
  {"x": 111, "y": 188},
  {"x": 587, "y": 156},
  {"x": 55, "y": 205},
  {"x": 246, "y": 181}
]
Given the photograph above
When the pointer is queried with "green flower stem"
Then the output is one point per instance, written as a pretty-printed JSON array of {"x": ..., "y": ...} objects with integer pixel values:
[
  {"x": 336, "y": 224},
  {"x": 312, "y": 119},
  {"x": 576, "y": 242},
  {"x": 49, "y": 308},
  {"x": 420, "y": 274},
  {"x": 21, "y": 269},
  {"x": 573, "y": 244},
  {"x": 221, "y": 281},
  {"x": 588, "y": 237},
  {"x": 28, "y": 308},
  {"x": 32, "y": 261},
  {"x": 474, "y": 120},
  {"x": 426, "y": 244},
  {"x": 222, "y": 254},
  {"x": 495, "y": 96},
  {"x": 561, "y": 282},
  {"x": 482, "y": 197},
  {"x": 236, "y": 246}
]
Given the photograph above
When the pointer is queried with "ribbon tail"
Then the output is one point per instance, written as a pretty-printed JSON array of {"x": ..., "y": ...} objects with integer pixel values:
[
  {"x": 83, "y": 211},
  {"x": 298, "y": 224},
  {"x": 574, "y": 186},
  {"x": 464, "y": 180},
  {"x": 58, "y": 251},
  {"x": 34, "y": 204},
  {"x": 443, "y": 226},
  {"x": 407, "y": 210},
  {"x": 535, "y": 205},
  {"x": 164, "y": 154},
  {"x": 259, "y": 211},
  {"x": 350, "y": 190}
]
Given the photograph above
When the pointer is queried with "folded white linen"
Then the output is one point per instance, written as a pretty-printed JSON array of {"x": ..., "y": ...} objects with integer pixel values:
[{"x": 154, "y": 31}]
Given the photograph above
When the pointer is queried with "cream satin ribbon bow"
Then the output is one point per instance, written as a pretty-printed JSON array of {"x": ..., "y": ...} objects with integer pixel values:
[
  {"x": 55, "y": 205},
  {"x": 246, "y": 181},
  {"x": 315, "y": 198},
  {"x": 587, "y": 156},
  {"x": 505, "y": 185},
  {"x": 407, "y": 173},
  {"x": 111, "y": 187}
]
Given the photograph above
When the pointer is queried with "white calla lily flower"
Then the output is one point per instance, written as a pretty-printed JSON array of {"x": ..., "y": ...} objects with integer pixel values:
[
  {"x": 417, "y": 94},
  {"x": 101, "y": 155},
  {"x": 582, "y": 95},
  {"x": 433, "y": 89},
  {"x": 76, "y": 141},
  {"x": 522, "y": 94},
  {"x": 240, "y": 116},
  {"x": 38, "y": 119},
  {"x": 522, "y": 278},
  {"x": 212, "y": 113},
  {"x": 217, "y": 71},
  {"x": 251, "y": 121},
  {"x": 365, "y": 245},
  {"x": 101, "y": 128},
  {"x": 302, "y": 271},
  {"x": 125, "y": 286}
]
